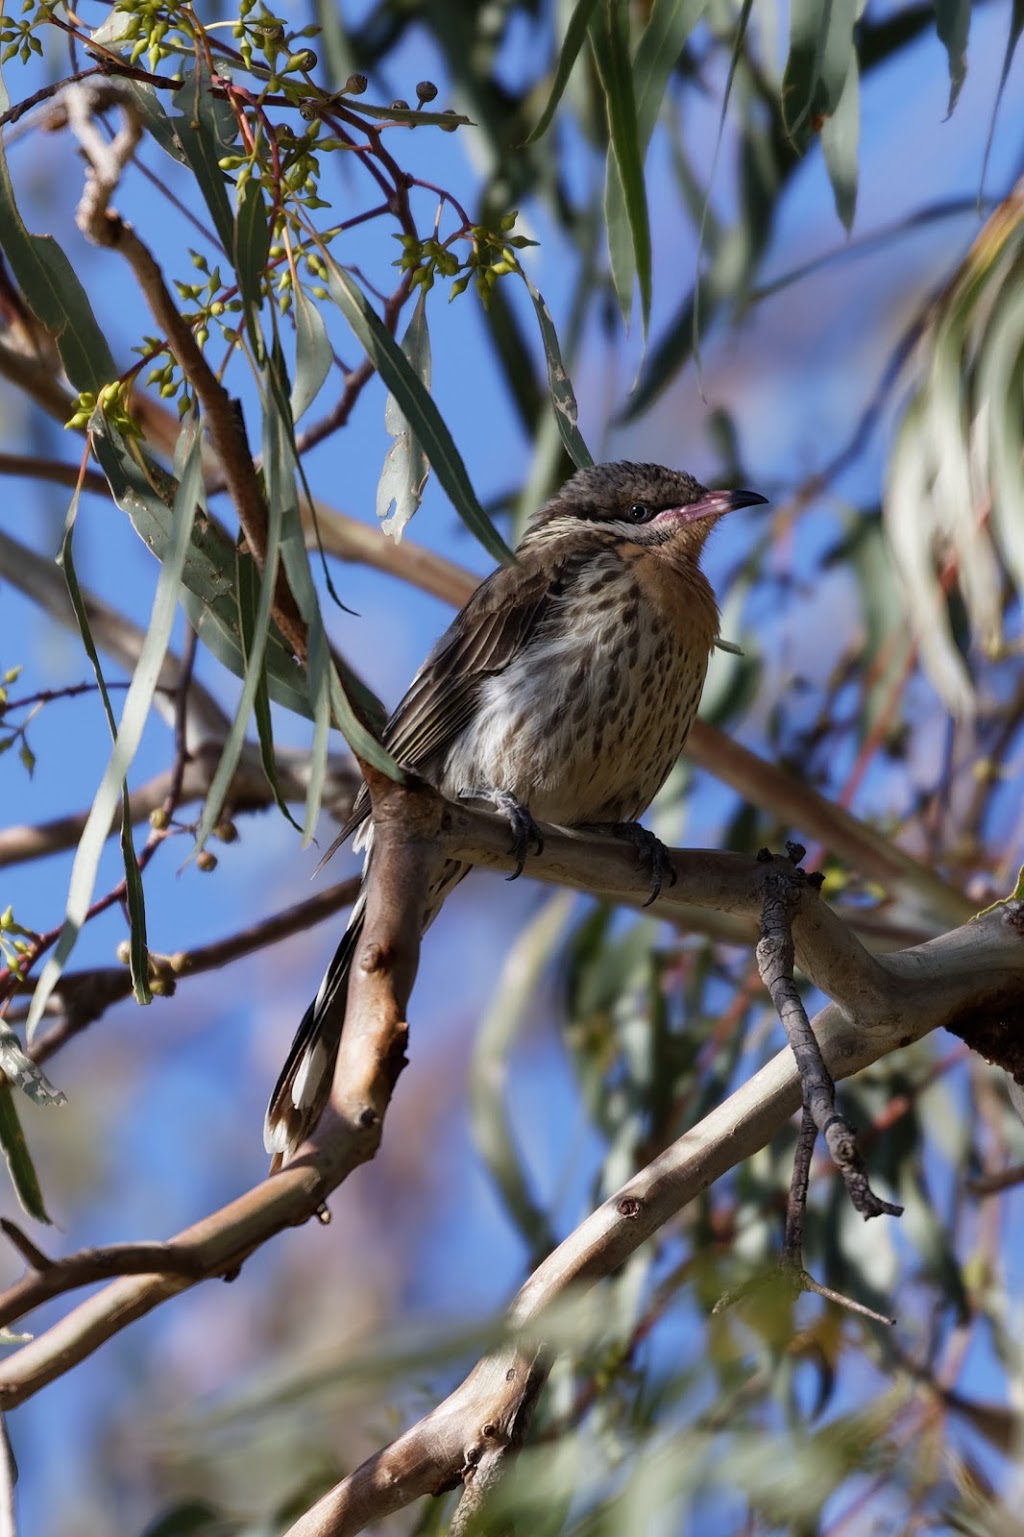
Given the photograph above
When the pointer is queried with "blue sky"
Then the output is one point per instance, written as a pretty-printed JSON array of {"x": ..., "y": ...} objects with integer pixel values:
[{"x": 166, "y": 1107}]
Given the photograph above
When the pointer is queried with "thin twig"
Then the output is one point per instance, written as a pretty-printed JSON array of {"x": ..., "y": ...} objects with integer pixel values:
[
  {"x": 775, "y": 958},
  {"x": 84, "y": 996}
]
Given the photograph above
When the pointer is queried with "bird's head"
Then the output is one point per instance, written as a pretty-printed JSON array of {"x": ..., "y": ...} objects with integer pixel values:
[{"x": 643, "y": 504}]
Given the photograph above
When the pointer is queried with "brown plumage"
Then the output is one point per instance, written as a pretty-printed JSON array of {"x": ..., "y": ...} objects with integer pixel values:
[{"x": 563, "y": 691}]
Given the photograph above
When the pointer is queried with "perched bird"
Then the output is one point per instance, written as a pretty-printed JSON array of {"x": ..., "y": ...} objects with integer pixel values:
[{"x": 564, "y": 690}]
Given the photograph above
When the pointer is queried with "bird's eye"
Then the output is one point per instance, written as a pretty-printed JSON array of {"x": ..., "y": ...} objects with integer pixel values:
[{"x": 639, "y": 512}]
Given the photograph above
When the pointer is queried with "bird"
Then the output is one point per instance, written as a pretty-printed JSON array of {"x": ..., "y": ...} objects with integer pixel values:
[{"x": 562, "y": 692}]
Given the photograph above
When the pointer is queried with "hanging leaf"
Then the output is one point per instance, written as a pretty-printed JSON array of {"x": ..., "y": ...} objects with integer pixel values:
[
  {"x": 575, "y": 35},
  {"x": 629, "y": 235},
  {"x": 417, "y": 406},
  {"x": 134, "y": 715},
  {"x": 313, "y": 354},
  {"x": 840, "y": 141},
  {"x": 953, "y": 24},
  {"x": 406, "y": 466},
  {"x": 563, "y": 397}
]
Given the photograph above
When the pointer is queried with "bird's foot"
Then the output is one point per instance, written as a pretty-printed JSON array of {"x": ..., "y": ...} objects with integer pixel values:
[
  {"x": 651, "y": 852},
  {"x": 524, "y": 829}
]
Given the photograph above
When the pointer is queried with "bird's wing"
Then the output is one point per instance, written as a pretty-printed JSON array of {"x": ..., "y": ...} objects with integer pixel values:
[{"x": 483, "y": 639}]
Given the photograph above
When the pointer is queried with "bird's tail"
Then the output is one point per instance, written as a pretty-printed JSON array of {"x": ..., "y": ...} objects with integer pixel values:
[
  {"x": 302, "y": 1090},
  {"x": 304, "y": 1086}
]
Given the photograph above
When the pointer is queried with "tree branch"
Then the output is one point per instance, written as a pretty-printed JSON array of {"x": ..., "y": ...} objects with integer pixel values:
[
  {"x": 886, "y": 1002},
  {"x": 931, "y": 986}
]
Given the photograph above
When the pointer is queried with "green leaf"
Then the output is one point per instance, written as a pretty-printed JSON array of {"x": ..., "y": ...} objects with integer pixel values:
[
  {"x": 575, "y": 33},
  {"x": 953, "y": 24},
  {"x": 54, "y": 295},
  {"x": 662, "y": 41},
  {"x": 155, "y": 118},
  {"x": 313, "y": 355},
  {"x": 840, "y": 135},
  {"x": 207, "y": 132},
  {"x": 417, "y": 405},
  {"x": 629, "y": 235},
  {"x": 820, "y": 49},
  {"x": 334, "y": 691},
  {"x": 406, "y": 466},
  {"x": 248, "y": 599},
  {"x": 254, "y": 652},
  {"x": 209, "y": 575},
  {"x": 134, "y": 715},
  {"x": 563, "y": 398},
  {"x": 19, "y": 1159},
  {"x": 251, "y": 250}
]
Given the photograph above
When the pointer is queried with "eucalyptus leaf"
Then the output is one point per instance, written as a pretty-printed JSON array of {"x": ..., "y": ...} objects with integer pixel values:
[
  {"x": 575, "y": 37},
  {"x": 54, "y": 294},
  {"x": 15, "y": 1150},
  {"x": 134, "y": 715},
  {"x": 840, "y": 141},
  {"x": 406, "y": 466},
  {"x": 563, "y": 398},
  {"x": 207, "y": 131},
  {"x": 625, "y": 205},
  {"x": 417, "y": 405},
  {"x": 313, "y": 353},
  {"x": 953, "y": 24}
]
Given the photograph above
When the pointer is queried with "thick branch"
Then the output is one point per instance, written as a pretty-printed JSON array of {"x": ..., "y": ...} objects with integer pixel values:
[
  {"x": 931, "y": 986},
  {"x": 886, "y": 1003},
  {"x": 406, "y": 851}
]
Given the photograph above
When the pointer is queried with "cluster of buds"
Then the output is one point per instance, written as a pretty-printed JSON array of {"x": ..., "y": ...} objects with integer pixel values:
[
  {"x": 113, "y": 402},
  {"x": 492, "y": 256},
  {"x": 269, "y": 35},
  {"x": 156, "y": 29}
]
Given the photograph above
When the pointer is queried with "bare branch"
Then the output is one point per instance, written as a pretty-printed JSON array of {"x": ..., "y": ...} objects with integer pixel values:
[
  {"x": 248, "y": 791},
  {"x": 406, "y": 851},
  {"x": 82, "y": 997},
  {"x": 929, "y": 986},
  {"x": 783, "y": 892}
]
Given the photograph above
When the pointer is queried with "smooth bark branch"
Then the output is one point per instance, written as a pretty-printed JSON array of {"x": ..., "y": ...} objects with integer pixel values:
[
  {"x": 944, "y": 982},
  {"x": 406, "y": 853},
  {"x": 960, "y": 980}
]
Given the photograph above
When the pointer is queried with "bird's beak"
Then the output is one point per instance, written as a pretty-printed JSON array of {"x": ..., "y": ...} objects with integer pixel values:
[{"x": 718, "y": 502}]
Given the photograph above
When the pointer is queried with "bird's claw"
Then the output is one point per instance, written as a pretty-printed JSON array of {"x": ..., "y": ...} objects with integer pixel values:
[
  {"x": 652, "y": 854},
  {"x": 524, "y": 832},
  {"x": 524, "y": 829}
]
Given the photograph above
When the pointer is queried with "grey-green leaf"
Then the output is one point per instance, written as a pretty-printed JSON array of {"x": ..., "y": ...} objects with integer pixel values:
[
  {"x": 563, "y": 398},
  {"x": 417, "y": 405},
  {"x": 953, "y": 24},
  {"x": 625, "y": 204},
  {"x": 575, "y": 34},
  {"x": 54, "y": 294},
  {"x": 313, "y": 355},
  {"x": 19, "y": 1159},
  {"x": 134, "y": 714},
  {"x": 406, "y": 466},
  {"x": 840, "y": 137}
]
